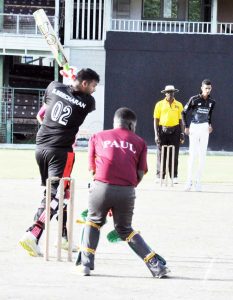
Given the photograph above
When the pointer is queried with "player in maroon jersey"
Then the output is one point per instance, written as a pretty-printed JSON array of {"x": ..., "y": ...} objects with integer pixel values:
[{"x": 117, "y": 159}]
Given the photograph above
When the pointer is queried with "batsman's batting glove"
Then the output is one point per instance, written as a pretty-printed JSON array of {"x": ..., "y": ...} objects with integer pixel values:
[
  {"x": 69, "y": 73},
  {"x": 110, "y": 213},
  {"x": 182, "y": 138}
]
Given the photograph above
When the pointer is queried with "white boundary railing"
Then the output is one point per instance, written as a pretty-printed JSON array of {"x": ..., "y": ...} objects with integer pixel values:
[
  {"x": 19, "y": 24},
  {"x": 25, "y": 24},
  {"x": 169, "y": 26},
  {"x": 225, "y": 28}
]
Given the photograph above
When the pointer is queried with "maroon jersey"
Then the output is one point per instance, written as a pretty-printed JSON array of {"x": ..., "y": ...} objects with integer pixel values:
[
  {"x": 116, "y": 155},
  {"x": 65, "y": 112}
]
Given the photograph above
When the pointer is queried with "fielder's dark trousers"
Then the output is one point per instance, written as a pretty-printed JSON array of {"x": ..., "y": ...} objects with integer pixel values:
[
  {"x": 168, "y": 139},
  {"x": 102, "y": 198}
]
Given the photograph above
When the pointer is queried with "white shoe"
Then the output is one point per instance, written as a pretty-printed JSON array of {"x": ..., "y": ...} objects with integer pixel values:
[
  {"x": 163, "y": 182},
  {"x": 188, "y": 187},
  {"x": 198, "y": 187},
  {"x": 157, "y": 180},
  {"x": 175, "y": 180},
  {"x": 28, "y": 242},
  {"x": 83, "y": 270},
  {"x": 65, "y": 245}
]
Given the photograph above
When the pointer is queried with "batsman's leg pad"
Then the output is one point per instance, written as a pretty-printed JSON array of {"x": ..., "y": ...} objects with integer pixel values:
[
  {"x": 40, "y": 210},
  {"x": 39, "y": 224},
  {"x": 53, "y": 207},
  {"x": 40, "y": 227},
  {"x": 64, "y": 221}
]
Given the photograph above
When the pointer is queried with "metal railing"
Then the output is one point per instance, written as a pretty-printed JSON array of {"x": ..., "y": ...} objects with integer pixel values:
[
  {"x": 169, "y": 26},
  {"x": 20, "y": 24},
  {"x": 25, "y": 25},
  {"x": 89, "y": 20},
  {"x": 18, "y": 109},
  {"x": 225, "y": 28}
]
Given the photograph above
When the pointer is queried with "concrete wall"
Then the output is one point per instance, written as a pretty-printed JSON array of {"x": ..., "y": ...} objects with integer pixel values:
[
  {"x": 139, "y": 65},
  {"x": 23, "y": 45},
  {"x": 94, "y": 59}
]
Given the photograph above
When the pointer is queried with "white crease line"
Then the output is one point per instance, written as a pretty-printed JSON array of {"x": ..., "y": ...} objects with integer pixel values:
[{"x": 209, "y": 269}]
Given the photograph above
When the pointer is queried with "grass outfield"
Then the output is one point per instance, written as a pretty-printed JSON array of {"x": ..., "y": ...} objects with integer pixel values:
[{"x": 21, "y": 164}]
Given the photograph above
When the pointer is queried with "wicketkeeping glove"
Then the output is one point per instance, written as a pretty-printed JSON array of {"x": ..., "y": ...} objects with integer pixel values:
[{"x": 113, "y": 237}]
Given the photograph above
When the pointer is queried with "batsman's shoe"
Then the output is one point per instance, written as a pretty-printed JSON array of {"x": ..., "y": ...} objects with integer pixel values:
[
  {"x": 83, "y": 270},
  {"x": 28, "y": 242},
  {"x": 65, "y": 245},
  {"x": 157, "y": 268}
]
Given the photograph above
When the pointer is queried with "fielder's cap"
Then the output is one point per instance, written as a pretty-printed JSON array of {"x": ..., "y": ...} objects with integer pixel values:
[{"x": 169, "y": 88}]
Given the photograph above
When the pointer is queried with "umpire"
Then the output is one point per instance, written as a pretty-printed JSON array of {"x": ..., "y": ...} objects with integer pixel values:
[{"x": 168, "y": 128}]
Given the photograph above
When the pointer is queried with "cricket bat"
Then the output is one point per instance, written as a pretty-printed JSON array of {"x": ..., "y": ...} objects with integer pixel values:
[{"x": 51, "y": 38}]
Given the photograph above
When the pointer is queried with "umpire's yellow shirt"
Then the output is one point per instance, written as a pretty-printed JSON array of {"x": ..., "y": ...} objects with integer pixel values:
[{"x": 168, "y": 114}]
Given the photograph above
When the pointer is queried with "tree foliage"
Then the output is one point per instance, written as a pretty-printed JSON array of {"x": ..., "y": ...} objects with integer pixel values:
[{"x": 153, "y": 9}]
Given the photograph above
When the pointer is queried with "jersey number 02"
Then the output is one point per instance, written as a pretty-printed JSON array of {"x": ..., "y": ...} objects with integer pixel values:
[{"x": 60, "y": 113}]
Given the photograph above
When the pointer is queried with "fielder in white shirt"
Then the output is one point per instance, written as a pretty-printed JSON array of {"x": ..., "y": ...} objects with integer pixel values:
[{"x": 201, "y": 107}]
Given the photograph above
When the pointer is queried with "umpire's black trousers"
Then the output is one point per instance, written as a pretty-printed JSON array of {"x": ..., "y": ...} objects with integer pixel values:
[{"x": 168, "y": 139}]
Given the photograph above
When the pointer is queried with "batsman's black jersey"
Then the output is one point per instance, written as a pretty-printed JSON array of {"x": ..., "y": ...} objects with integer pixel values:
[
  {"x": 201, "y": 110},
  {"x": 65, "y": 112}
]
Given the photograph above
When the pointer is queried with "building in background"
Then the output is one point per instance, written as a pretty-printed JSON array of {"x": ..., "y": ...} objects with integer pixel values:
[{"x": 137, "y": 47}]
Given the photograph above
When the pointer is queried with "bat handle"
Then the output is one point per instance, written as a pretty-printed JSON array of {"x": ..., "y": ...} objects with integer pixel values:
[{"x": 66, "y": 67}]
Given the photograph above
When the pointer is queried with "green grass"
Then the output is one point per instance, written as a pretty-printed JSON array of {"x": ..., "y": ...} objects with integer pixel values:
[{"x": 21, "y": 164}]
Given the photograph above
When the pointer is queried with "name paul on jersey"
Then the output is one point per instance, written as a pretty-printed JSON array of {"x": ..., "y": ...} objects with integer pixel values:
[
  {"x": 68, "y": 98},
  {"x": 118, "y": 144}
]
